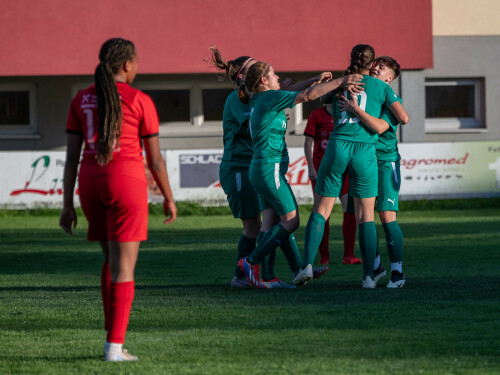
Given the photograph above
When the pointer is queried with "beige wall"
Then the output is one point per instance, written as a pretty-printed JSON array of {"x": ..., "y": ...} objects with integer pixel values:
[{"x": 465, "y": 17}]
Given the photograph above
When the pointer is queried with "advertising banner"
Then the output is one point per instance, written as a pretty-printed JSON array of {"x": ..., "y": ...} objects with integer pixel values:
[
  {"x": 450, "y": 170},
  {"x": 428, "y": 171}
]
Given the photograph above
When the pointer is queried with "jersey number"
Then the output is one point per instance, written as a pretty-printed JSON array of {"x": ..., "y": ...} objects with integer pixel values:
[
  {"x": 362, "y": 104},
  {"x": 89, "y": 114}
]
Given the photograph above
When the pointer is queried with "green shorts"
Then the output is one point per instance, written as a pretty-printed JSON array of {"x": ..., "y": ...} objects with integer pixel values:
[
  {"x": 389, "y": 183},
  {"x": 243, "y": 199},
  {"x": 273, "y": 188},
  {"x": 358, "y": 159}
]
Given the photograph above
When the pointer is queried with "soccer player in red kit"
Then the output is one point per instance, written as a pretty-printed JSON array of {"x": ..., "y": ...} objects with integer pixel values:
[
  {"x": 317, "y": 132},
  {"x": 113, "y": 120}
]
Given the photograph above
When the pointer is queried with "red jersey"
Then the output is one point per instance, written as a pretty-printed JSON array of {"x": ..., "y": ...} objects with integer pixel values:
[
  {"x": 140, "y": 120},
  {"x": 319, "y": 126}
]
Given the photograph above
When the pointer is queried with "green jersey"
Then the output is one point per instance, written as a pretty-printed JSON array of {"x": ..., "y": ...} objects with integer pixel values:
[
  {"x": 237, "y": 140},
  {"x": 268, "y": 124},
  {"x": 375, "y": 96},
  {"x": 387, "y": 145}
]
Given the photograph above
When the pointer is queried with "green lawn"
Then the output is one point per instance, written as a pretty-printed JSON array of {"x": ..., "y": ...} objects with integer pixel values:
[{"x": 187, "y": 320}]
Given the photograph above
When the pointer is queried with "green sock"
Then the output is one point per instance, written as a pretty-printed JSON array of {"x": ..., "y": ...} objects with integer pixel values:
[
  {"x": 267, "y": 266},
  {"x": 270, "y": 241},
  {"x": 376, "y": 262},
  {"x": 314, "y": 233},
  {"x": 368, "y": 246},
  {"x": 292, "y": 253},
  {"x": 394, "y": 240},
  {"x": 260, "y": 235},
  {"x": 245, "y": 248}
]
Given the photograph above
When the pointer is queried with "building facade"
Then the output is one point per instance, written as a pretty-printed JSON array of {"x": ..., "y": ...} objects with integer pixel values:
[{"x": 447, "y": 49}]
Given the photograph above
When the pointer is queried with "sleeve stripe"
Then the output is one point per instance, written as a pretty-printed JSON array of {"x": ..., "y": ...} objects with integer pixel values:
[
  {"x": 150, "y": 135},
  {"x": 309, "y": 135}
]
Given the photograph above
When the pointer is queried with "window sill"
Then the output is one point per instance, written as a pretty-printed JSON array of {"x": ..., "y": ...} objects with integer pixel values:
[
  {"x": 20, "y": 136},
  {"x": 189, "y": 131},
  {"x": 455, "y": 131}
]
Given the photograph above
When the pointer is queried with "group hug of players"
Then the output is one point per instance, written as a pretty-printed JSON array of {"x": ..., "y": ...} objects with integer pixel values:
[
  {"x": 355, "y": 157},
  {"x": 114, "y": 123}
]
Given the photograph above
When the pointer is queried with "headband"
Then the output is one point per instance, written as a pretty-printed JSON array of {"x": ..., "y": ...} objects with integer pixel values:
[
  {"x": 239, "y": 71},
  {"x": 263, "y": 75}
]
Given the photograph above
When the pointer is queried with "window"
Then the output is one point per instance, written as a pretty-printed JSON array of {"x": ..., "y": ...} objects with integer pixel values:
[
  {"x": 172, "y": 105},
  {"x": 189, "y": 107},
  {"x": 213, "y": 103},
  {"x": 454, "y": 105},
  {"x": 308, "y": 107},
  {"x": 17, "y": 110}
]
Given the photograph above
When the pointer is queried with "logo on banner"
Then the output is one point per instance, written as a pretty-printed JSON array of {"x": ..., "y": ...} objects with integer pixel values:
[
  {"x": 36, "y": 184},
  {"x": 297, "y": 172},
  {"x": 199, "y": 170},
  {"x": 444, "y": 169}
]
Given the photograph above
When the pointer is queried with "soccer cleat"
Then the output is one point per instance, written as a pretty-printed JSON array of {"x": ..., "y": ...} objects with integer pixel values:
[
  {"x": 240, "y": 283},
  {"x": 324, "y": 261},
  {"x": 319, "y": 271},
  {"x": 251, "y": 272},
  {"x": 351, "y": 260},
  {"x": 378, "y": 273},
  {"x": 120, "y": 357},
  {"x": 275, "y": 284},
  {"x": 304, "y": 275},
  {"x": 397, "y": 280},
  {"x": 368, "y": 283}
]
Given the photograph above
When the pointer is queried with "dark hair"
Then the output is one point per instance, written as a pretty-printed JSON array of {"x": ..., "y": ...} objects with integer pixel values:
[
  {"x": 252, "y": 80},
  {"x": 391, "y": 64},
  {"x": 113, "y": 54},
  {"x": 362, "y": 57},
  {"x": 231, "y": 67}
]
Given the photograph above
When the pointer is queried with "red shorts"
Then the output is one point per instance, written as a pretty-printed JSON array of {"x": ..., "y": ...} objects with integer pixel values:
[
  {"x": 345, "y": 184},
  {"x": 116, "y": 207}
]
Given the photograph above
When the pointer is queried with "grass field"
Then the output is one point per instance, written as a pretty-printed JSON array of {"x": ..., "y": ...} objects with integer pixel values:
[{"x": 187, "y": 320}]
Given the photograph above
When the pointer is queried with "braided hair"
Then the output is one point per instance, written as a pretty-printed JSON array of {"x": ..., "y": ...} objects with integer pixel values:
[
  {"x": 362, "y": 57},
  {"x": 113, "y": 54}
]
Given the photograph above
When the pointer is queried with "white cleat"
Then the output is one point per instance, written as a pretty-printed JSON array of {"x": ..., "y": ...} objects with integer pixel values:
[
  {"x": 304, "y": 275},
  {"x": 379, "y": 273},
  {"x": 397, "y": 280},
  {"x": 368, "y": 283},
  {"x": 119, "y": 357}
]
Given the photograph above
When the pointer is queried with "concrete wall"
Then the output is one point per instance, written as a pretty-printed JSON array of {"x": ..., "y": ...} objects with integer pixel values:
[{"x": 470, "y": 57}]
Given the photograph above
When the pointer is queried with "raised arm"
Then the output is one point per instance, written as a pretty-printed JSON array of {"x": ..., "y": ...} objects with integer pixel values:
[
  {"x": 68, "y": 218},
  {"x": 322, "y": 77},
  {"x": 377, "y": 125},
  {"x": 318, "y": 90},
  {"x": 156, "y": 165}
]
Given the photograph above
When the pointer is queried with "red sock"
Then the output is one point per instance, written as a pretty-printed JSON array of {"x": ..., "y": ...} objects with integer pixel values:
[
  {"x": 122, "y": 295},
  {"x": 323, "y": 246},
  {"x": 105, "y": 292},
  {"x": 349, "y": 231}
]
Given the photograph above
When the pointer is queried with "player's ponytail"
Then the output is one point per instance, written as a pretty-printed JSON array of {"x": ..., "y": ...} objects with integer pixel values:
[
  {"x": 362, "y": 58},
  {"x": 113, "y": 54},
  {"x": 243, "y": 94},
  {"x": 232, "y": 68}
]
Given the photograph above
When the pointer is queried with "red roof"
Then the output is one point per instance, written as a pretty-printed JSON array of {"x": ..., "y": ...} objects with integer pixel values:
[{"x": 61, "y": 37}]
